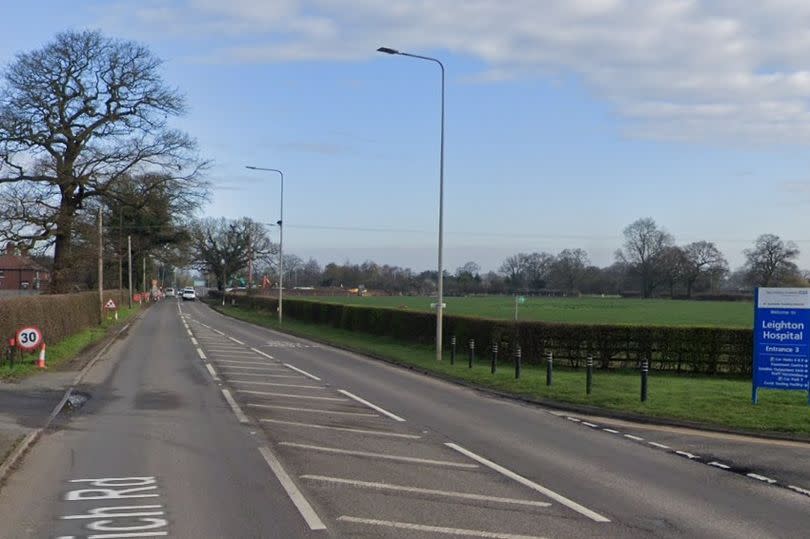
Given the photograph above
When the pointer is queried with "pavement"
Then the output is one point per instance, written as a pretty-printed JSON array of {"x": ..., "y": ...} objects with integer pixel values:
[{"x": 201, "y": 426}]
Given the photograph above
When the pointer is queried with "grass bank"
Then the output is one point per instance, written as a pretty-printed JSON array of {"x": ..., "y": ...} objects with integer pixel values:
[
  {"x": 717, "y": 402},
  {"x": 65, "y": 350}
]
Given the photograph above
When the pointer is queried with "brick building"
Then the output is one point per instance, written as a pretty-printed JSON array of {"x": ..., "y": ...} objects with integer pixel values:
[{"x": 20, "y": 272}]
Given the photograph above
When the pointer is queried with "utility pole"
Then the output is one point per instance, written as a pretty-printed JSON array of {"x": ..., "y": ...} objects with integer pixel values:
[
  {"x": 100, "y": 271},
  {"x": 129, "y": 267},
  {"x": 144, "y": 274},
  {"x": 120, "y": 256}
]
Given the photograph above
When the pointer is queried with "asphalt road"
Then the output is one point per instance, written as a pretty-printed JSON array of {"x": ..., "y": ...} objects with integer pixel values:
[{"x": 202, "y": 426}]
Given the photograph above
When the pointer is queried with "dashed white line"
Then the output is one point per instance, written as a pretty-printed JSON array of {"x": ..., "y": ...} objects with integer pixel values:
[
  {"x": 433, "y": 529},
  {"x": 574, "y": 419},
  {"x": 761, "y": 478},
  {"x": 268, "y": 356},
  {"x": 611, "y": 431},
  {"x": 302, "y": 371},
  {"x": 596, "y": 517},
  {"x": 212, "y": 372},
  {"x": 590, "y": 425},
  {"x": 372, "y": 406},
  {"x": 381, "y": 456},
  {"x": 200, "y": 353},
  {"x": 310, "y": 516},
  {"x": 415, "y": 490},
  {"x": 240, "y": 415},
  {"x": 636, "y": 438},
  {"x": 343, "y": 429},
  {"x": 660, "y": 446},
  {"x": 237, "y": 341},
  {"x": 290, "y": 396},
  {"x": 194, "y": 341},
  {"x": 800, "y": 490},
  {"x": 687, "y": 454},
  {"x": 719, "y": 465},
  {"x": 310, "y": 410}
]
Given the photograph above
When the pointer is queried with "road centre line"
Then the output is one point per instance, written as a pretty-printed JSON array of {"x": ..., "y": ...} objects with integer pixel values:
[
  {"x": 761, "y": 478},
  {"x": 291, "y": 396},
  {"x": 274, "y": 384},
  {"x": 240, "y": 415},
  {"x": 310, "y": 516},
  {"x": 636, "y": 438},
  {"x": 574, "y": 419},
  {"x": 200, "y": 353},
  {"x": 372, "y": 406},
  {"x": 660, "y": 446},
  {"x": 611, "y": 431},
  {"x": 343, "y": 429},
  {"x": 434, "y": 529},
  {"x": 596, "y": 517},
  {"x": 800, "y": 490},
  {"x": 237, "y": 341},
  {"x": 212, "y": 371},
  {"x": 719, "y": 465},
  {"x": 590, "y": 425},
  {"x": 262, "y": 353},
  {"x": 310, "y": 410},
  {"x": 381, "y": 456},
  {"x": 415, "y": 490},
  {"x": 301, "y": 371},
  {"x": 686, "y": 454}
]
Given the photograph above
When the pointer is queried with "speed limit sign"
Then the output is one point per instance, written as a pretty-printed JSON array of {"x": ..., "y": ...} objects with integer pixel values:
[{"x": 29, "y": 338}]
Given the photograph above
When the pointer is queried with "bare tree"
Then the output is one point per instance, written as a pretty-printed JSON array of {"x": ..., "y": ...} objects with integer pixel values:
[
  {"x": 672, "y": 267},
  {"x": 771, "y": 261},
  {"x": 77, "y": 116},
  {"x": 643, "y": 244},
  {"x": 703, "y": 259},
  {"x": 568, "y": 268}
]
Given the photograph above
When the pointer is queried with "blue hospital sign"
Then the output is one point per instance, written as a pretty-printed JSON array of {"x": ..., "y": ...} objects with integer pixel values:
[{"x": 781, "y": 339}]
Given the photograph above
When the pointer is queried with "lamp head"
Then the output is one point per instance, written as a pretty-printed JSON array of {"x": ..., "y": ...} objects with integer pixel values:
[{"x": 388, "y": 50}]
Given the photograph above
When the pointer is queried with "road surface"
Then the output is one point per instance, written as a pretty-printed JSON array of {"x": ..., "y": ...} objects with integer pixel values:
[{"x": 202, "y": 426}]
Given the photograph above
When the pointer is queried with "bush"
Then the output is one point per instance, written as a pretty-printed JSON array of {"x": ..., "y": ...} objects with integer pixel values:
[
  {"x": 57, "y": 316},
  {"x": 675, "y": 349}
]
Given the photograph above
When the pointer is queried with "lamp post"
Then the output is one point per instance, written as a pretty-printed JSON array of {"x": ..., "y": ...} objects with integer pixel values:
[
  {"x": 224, "y": 280},
  {"x": 280, "y": 224},
  {"x": 440, "y": 291}
]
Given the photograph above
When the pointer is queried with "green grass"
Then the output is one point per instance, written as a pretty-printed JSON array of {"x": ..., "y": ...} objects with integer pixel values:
[
  {"x": 61, "y": 352},
  {"x": 719, "y": 402},
  {"x": 585, "y": 310}
]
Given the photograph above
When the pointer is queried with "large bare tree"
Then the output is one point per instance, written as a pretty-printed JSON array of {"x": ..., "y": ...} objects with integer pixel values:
[
  {"x": 644, "y": 243},
  {"x": 771, "y": 262},
  {"x": 76, "y": 117}
]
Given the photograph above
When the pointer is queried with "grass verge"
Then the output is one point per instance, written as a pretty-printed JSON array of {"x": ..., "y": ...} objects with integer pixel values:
[
  {"x": 62, "y": 352},
  {"x": 711, "y": 401}
]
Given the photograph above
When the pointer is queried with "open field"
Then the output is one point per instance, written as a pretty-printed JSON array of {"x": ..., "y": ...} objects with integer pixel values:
[
  {"x": 586, "y": 310},
  {"x": 715, "y": 401}
]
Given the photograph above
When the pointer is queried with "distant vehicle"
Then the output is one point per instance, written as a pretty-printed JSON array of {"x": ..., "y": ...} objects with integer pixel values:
[
  {"x": 170, "y": 293},
  {"x": 189, "y": 294}
]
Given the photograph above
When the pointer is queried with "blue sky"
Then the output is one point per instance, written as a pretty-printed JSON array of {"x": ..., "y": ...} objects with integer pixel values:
[{"x": 563, "y": 124}]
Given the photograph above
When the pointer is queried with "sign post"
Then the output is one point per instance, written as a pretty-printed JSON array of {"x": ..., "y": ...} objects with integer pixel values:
[
  {"x": 519, "y": 300},
  {"x": 781, "y": 340}
]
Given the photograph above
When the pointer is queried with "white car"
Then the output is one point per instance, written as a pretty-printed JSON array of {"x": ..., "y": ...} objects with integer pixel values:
[
  {"x": 189, "y": 294},
  {"x": 170, "y": 293}
]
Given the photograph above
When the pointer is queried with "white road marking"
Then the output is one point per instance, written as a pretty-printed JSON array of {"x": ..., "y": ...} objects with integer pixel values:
[
  {"x": 301, "y": 371},
  {"x": 237, "y": 341},
  {"x": 291, "y": 396},
  {"x": 200, "y": 353},
  {"x": 262, "y": 375},
  {"x": 799, "y": 490},
  {"x": 611, "y": 431},
  {"x": 372, "y": 406},
  {"x": 719, "y": 465},
  {"x": 234, "y": 367},
  {"x": 636, "y": 438},
  {"x": 194, "y": 341},
  {"x": 434, "y": 529},
  {"x": 120, "y": 511},
  {"x": 531, "y": 484},
  {"x": 590, "y": 425},
  {"x": 274, "y": 384},
  {"x": 574, "y": 419},
  {"x": 117, "y": 535},
  {"x": 555, "y": 412},
  {"x": 687, "y": 454},
  {"x": 761, "y": 478},
  {"x": 310, "y": 516},
  {"x": 381, "y": 456},
  {"x": 240, "y": 415},
  {"x": 234, "y": 351},
  {"x": 212, "y": 371},
  {"x": 240, "y": 362},
  {"x": 343, "y": 429},
  {"x": 403, "y": 488},
  {"x": 268, "y": 356},
  {"x": 660, "y": 446},
  {"x": 310, "y": 410}
]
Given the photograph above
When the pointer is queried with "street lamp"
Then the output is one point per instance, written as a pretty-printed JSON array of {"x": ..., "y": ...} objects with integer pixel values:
[
  {"x": 440, "y": 302},
  {"x": 280, "y": 243},
  {"x": 224, "y": 280}
]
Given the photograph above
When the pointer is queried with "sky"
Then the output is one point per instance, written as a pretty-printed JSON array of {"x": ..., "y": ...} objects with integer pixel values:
[{"x": 566, "y": 120}]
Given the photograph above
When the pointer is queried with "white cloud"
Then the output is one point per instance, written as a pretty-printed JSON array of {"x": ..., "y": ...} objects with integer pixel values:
[{"x": 681, "y": 69}]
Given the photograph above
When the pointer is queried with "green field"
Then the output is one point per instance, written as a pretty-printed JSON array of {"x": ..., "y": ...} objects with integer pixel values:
[{"x": 586, "y": 310}]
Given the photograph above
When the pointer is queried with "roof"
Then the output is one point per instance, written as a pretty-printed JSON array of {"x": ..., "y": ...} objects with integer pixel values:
[{"x": 14, "y": 262}]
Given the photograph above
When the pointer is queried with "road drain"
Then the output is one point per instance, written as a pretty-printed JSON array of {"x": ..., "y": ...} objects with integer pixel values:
[{"x": 76, "y": 400}]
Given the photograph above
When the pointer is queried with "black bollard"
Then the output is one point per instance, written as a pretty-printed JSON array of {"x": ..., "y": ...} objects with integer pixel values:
[
  {"x": 453, "y": 350},
  {"x": 549, "y": 368},
  {"x": 517, "y": 362},
  {"x": 589, "y": 375},
  {"x": 472, "y": 352},
  {"x": 645, "y": 369},
  {"x": 494, "y": 364}
]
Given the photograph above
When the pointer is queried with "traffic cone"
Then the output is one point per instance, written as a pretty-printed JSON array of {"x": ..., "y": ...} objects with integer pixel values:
[{"x": 41, "y": 361}]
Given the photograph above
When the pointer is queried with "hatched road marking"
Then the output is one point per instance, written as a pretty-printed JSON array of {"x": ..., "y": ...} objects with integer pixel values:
[
  {"x": 310, "y": 516},
  {"x": 381, "y": 456},
  {"x": 240, "y": 415},
  {"x": 310, "y": 410},
  {"x": 274, "y": 384},
  {"x": 434, "y": 529},
  {"x": 302, "y": 371},
  {"x": 212, "y": 372},
  {"x": 291, "y": 396},
  {"x": 343, "y": 429},
  {"x": 372, "y": 406}
]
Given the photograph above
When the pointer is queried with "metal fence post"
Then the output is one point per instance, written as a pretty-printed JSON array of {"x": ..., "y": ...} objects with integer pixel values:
[
  {"x": 494, "y": 362},
  {"x": 518, "y": 353},
  {"x": 589, "y": 375},
  {"x": 472, "y": 352},
  {"x": 549, "y": 368},
  {"x": 453, "y": 350},
  {"x": 645, "y": 368}
]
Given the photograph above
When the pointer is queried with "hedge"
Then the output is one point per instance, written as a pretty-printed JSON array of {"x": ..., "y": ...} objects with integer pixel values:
[
  {"x": 677, "y": 349},
  {"x": 57, "y": 316}
]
